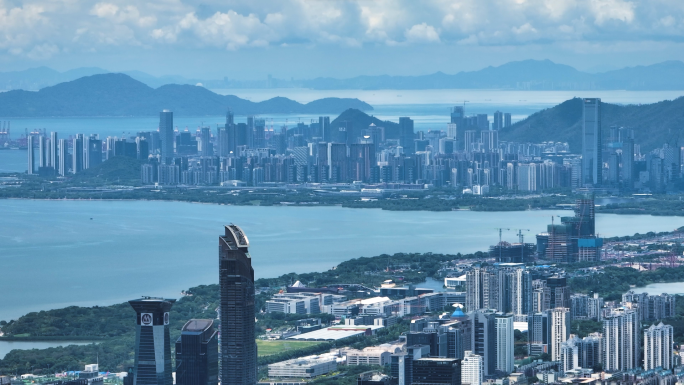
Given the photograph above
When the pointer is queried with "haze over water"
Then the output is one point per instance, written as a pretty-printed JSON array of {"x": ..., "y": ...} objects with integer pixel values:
[{"x": 53, "y": 255}]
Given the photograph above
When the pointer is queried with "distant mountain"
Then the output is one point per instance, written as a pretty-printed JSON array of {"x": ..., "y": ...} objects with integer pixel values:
[
  {"x": 523, "y": 75},
  {"x": 361, "y": 120},
  {"x": 653, "y": 124},
  {"x": 121, "y": 95},
  {"x": 40, "y": 77}
]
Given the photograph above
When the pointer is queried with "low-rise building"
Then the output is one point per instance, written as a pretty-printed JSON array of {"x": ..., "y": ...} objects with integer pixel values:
[{"x": 305, "y": 367}]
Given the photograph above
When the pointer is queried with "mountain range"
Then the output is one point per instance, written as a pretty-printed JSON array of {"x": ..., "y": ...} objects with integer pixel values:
[
  {"x": 120, "y": 95},
  {"x": 653, "y": 124},
  {"x": 517, "y": 75}
]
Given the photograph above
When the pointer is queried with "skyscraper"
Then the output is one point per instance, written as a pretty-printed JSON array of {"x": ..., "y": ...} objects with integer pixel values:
[
  {"x": 63, "y": 154},
  {"x": 167, "y": 135},
  {"x": 152, "y": 341},
  {"x": 498, "y": 121},
  {"x": 507, "y": 119},
  {"x": 621, "y": 340},
  {"x": 236, "y": 280},
  {"x": 54, "y": 154},
  {"x": 42, "y": 151},
  {"x": 658, "y": 347},
  {"x": 504, "y": 342},
  {"x": 30, "y": 142},
  {"x": 406, "y": 134},
  {"x": 483, "y": 338},
  {"x": 592, "y": 163},
  {"x": 77, "y": 154},
  {"x": 197, "y": 353}
]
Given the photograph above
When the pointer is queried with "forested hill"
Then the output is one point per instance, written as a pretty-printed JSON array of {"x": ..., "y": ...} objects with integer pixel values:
[
  {"x": 361, "y": 120},
  {"x": 653, "y": 124},
  {"x": 120, "y": 95}
]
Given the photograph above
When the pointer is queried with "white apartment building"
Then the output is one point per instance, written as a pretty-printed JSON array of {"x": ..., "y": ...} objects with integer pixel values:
[
  {"x": 472, "y": 369},
  {"x": 658, "y": 347}
]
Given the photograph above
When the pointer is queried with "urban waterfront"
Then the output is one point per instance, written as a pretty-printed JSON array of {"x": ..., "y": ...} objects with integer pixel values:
[{"x": 103, "y": 252}]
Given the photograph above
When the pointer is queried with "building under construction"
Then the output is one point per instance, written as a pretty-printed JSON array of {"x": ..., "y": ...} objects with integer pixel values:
[
  {"x": 574, "y": 239},
  {"x": 505, "y": 252}
]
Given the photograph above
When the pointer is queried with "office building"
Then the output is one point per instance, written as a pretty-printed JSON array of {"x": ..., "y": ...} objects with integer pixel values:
[
  {"x": 658, "y": 343},
  {"x": 538, "y": 333},
  {"x": 483, "y": 338},
  {"x": 324, "y": 125},
  {"x": 236, "y": 280},
  {"x": 472, "y": 370},
  {"x": 93, "y": 152},
  {"x": 592, "y": 162},
  {"x": 507, "y": 119},
  {"x": 152, "y": 341},
  {"x": 197, "y": 353},
  {"x": 31, "y": 142},
  {"x": 206, "y": 147},
  {"x": 166, "y": 135},
  {"x": 436, "y": 370},
  {"x": 621, "y": 340},
  {"x": 406, "y": 134},
  {"x": 505, "y": 348}
]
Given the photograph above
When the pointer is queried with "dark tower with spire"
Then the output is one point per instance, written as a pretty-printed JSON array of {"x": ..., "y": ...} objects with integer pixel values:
[{"x": 236, "y": 278}]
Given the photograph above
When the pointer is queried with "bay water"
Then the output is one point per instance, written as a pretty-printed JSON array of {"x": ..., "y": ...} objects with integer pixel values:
[{"x": 59, "y": 253}]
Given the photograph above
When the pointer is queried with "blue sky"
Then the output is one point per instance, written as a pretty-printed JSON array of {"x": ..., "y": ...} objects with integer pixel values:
[{"x": 248, "y": 39}]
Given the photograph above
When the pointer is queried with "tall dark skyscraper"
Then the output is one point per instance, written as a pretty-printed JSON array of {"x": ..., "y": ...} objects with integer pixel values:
[
  {"x": 152, "y": 342},
  {"x": 197, "y": 354},
  {"x": 236, "y": 278},
  {"x": 166, "y": 135},
  {"x": 592, "y": 162},
  {"x": 406, "y": 134},
  {"x": 77, "y": 154},
  {"x": 324, "y": 124}
]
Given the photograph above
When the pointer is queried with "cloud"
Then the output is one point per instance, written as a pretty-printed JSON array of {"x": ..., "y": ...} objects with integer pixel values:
[
  {"x": 422, "y": 33},
  {"x": 44, "y": 28}
]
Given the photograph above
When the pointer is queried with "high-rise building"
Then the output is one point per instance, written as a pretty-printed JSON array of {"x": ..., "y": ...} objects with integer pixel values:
[
  {"x": 406, "y": 134},
  {"x": 507, "y": 119},
  {"x": 457, "y": 116},
  {"x": 324, "y": 124},
  {"x": 452, "y": 131},
  {"x": 483, "y": 338},
  {"x": 54, "y": 151},
  {"x": 592, "y": 162},
  {"x": 559, "y": 331},
  {"x": 152, "y": 341},
  {"x": 236, "y": 280},
  {"x": 77, "y": 154},
  {"x": 63, "y": 155},
  {"x": 42, "y": 151},
  {"x": 197, "y": 353},
  {"x": 658, "y": 342},
  {"x": 93, "y": 152},
  {"x": 166, "y": 135},
  {"x": 472, "y": 371},
  {"x": 538, "y": 333},
  {"x": 621, "y": 340},
  {"x": 498, "y": 121},
  {"x": 505, "y": 349},
  {"x": 30, "y": 142},
  {"x": 205, "y": 142}
]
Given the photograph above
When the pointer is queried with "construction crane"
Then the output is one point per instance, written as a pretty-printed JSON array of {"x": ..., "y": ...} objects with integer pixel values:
[
  {"x": 499, "y": 244},
  {"x": 521, "y": 236}
]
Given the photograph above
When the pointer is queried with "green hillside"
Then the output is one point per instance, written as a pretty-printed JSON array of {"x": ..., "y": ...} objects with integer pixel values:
[{"x": 653, "y": 124}]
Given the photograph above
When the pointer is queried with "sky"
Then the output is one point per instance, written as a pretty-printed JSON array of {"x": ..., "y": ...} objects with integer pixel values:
[{"x": 249, "y": 39}]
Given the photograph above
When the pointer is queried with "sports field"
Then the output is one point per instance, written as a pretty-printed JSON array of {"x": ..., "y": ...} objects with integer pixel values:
[{"x": 267, "y": 348}]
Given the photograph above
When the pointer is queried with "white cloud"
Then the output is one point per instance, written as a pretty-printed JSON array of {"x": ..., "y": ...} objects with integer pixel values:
[
  {"x": 422, "y": 33},
  {"x": 38, "y": 28}
]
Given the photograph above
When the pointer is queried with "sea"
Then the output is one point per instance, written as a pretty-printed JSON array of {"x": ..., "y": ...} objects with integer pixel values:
[
  {"x": 428, "y": 108},
  {"x": 63, "y": 252}
]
